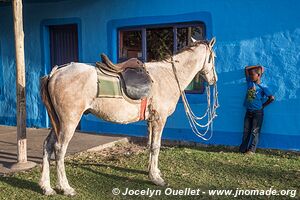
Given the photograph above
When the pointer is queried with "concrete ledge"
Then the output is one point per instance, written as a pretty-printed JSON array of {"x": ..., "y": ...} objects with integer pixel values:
[
  {"x": 35, "y": 138},
  {"x": 108, "y": 145}
]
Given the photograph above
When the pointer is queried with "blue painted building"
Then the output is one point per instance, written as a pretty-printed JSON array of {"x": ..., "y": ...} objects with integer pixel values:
[{"x": 248, "y": 32}]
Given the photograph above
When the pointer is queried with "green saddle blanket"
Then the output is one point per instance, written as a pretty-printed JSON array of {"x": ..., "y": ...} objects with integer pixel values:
[{"x": 108, "y": 85}]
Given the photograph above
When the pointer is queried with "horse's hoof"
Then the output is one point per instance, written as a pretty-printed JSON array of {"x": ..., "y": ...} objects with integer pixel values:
[
  {"x": 49, "y": 192},
  {"x": 69, "y": 192},
  {"x": 159, "y": 182}
]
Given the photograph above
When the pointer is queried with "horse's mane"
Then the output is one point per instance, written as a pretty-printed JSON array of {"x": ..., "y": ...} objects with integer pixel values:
[
  {"x": 193, "y": 44},
  {"x": 184, "y": 49}
]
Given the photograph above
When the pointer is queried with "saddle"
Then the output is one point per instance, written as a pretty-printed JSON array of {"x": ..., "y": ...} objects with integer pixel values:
[
  {"x": 120, "y": 67},
  {"x": 135, "y": 80}
]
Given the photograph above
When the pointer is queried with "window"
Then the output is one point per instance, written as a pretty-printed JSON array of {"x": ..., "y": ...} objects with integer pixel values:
[
  {"x": 130, "y": 44},
  {"x": 159, "y": 43},
  {"x": 1, "y": 75},
  {"x": 156, "y": 42}
]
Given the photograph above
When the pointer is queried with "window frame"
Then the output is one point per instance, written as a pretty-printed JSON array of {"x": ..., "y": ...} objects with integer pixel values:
[
  {"x": 174, "y": 26},
  {"x": 1, "y": 75}
]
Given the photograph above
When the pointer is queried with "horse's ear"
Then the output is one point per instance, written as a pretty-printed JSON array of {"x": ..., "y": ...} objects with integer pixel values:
[
  {"x": 193, "y": 39},
  {"x": 212, "y": 42}
]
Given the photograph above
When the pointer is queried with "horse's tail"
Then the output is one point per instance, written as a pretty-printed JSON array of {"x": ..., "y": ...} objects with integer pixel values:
[{"x": 48, "y": 103}]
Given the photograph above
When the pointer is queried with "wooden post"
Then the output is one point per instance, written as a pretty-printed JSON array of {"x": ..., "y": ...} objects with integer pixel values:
[{"x": 20, "y": 81}]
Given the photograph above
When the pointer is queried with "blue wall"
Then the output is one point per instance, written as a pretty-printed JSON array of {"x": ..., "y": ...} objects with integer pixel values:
[{"x": 248, "y": 32}]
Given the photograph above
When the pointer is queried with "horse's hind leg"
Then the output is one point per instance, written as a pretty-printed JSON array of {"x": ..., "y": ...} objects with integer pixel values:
[
  {"x": 65, "y": 135},
  {"x": 48, "y": 148}
]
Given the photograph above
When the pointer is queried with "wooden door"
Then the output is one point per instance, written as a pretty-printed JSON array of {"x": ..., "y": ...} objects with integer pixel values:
[{"x": 63, "y": 44}]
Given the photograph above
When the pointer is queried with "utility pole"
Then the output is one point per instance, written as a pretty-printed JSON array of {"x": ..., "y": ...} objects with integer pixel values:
[{"x": 20, "y": 86}]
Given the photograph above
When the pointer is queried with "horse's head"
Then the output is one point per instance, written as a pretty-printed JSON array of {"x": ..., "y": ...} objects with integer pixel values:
[{"x": 208, "y": 71}]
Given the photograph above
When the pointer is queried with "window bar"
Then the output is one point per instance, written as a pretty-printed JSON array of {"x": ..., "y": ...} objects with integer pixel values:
[
  {"x": 174, "y": 39},
  {"x": 189, "y": 35},
  {"x": 144, "y": 45},
  {"x": 120, "y": 45}
]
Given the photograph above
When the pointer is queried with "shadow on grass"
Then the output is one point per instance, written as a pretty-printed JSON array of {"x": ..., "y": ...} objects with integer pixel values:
[
  {"x": 109, "y": 166},
  {"x": 229, "y": 149},
  {"x": 280, "y": 153},
  {"x": 251, "y": 171},
  {"x": 87, "y": 167},
  {"x": 22, "y": 184},
  {"x": 216, "y": 149},
  {"x": 12, "y": 157}
]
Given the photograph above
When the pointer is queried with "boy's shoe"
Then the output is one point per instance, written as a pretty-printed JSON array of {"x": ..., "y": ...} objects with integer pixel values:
[{"x": 249, "y": 152}]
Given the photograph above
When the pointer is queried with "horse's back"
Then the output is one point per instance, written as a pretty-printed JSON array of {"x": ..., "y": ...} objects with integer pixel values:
[
  {"x": 73, "y": 86},
  {"x": 71, "y": 69}
]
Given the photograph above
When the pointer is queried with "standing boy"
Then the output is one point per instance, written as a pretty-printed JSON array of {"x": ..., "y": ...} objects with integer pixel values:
[{"x": 254, "y": 103}]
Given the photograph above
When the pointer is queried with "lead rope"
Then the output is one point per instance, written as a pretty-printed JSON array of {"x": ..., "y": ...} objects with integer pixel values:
[{"x": 192, "y": 118}]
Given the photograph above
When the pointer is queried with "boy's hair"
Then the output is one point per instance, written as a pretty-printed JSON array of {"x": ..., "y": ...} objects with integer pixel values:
[{"x": 257, "y": 70}]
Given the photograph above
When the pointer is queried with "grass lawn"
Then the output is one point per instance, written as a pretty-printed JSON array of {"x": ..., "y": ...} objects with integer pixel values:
[{"x": 94, "y": 175}]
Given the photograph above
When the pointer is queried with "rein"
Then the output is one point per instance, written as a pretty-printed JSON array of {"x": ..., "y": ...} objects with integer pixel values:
[{"x": 210, "y": 111}]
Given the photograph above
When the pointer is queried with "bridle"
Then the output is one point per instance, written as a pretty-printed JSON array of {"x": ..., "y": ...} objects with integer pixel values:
[
  {"x": 211, "y": 58},
  {"x": 211, "y": 110}
]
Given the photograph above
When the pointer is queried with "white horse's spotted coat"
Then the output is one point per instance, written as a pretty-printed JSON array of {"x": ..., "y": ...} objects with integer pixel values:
[{"x": 72, "y": 90}]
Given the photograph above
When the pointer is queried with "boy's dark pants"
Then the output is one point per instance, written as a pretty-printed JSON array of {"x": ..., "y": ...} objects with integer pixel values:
[{"x": 252, "y": 126}]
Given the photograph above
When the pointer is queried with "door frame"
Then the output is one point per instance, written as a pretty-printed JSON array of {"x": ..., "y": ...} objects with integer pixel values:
[{"x": 45, "y": 50}]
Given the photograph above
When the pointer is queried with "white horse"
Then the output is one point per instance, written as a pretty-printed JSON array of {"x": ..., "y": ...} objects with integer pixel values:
[{"x": 71, "y": 90}]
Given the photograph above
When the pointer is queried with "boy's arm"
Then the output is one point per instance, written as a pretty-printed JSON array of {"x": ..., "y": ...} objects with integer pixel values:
[
  {"x": 271, "y": 98},
  {"x": 247, "y": 70}
]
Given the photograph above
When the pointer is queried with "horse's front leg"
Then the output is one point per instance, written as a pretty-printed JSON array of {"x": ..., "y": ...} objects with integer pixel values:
[{"x": 155, "y": 127}]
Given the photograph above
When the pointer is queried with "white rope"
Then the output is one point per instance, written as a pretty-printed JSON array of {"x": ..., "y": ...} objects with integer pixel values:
[
  {"x": 190, "y": 112},
  {"x": 210, "y": 111},
  {"x": 211, "y": 115},
  {"x": 189, "y": 108}
]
